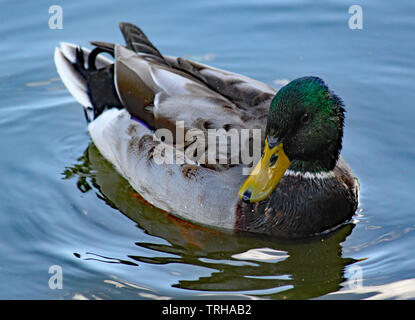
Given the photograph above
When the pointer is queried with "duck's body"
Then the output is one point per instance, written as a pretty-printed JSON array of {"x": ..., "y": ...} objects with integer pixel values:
[{"x": 142, "y": 91}]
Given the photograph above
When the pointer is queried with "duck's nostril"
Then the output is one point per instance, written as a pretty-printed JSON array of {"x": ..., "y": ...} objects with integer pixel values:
[
  {"x": 247, "y": 196},
  {"x": 273, "y": 160}
]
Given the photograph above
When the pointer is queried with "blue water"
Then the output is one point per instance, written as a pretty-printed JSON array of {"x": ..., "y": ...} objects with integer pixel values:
[{"x": 62, "y": 204}]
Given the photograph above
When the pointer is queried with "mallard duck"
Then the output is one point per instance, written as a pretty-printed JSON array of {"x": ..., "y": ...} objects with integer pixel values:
[{"x": 300, "y": 185}]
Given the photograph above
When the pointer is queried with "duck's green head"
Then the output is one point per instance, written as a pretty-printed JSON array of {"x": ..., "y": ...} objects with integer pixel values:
[{"x": 304, "y": 133}]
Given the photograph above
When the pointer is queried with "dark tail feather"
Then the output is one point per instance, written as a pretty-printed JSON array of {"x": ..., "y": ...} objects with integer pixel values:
[
  {"x": 96, "y": 79},
  {"x": 100, "y": 83},
  {"x": 105, "y": 46},
  {"x": 137, "y": 41}
]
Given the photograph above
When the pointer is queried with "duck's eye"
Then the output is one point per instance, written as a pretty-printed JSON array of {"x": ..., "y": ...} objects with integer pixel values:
[{"x": 305, "y": 117}]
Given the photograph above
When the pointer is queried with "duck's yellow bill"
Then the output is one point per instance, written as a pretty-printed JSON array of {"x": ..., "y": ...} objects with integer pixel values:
[{"x": 266, "y": 174}]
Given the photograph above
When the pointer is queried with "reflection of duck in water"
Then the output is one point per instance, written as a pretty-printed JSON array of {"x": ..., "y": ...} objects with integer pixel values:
[
  {"x": 252, "y": 265},
  {"x": 300, "y": 187}
]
